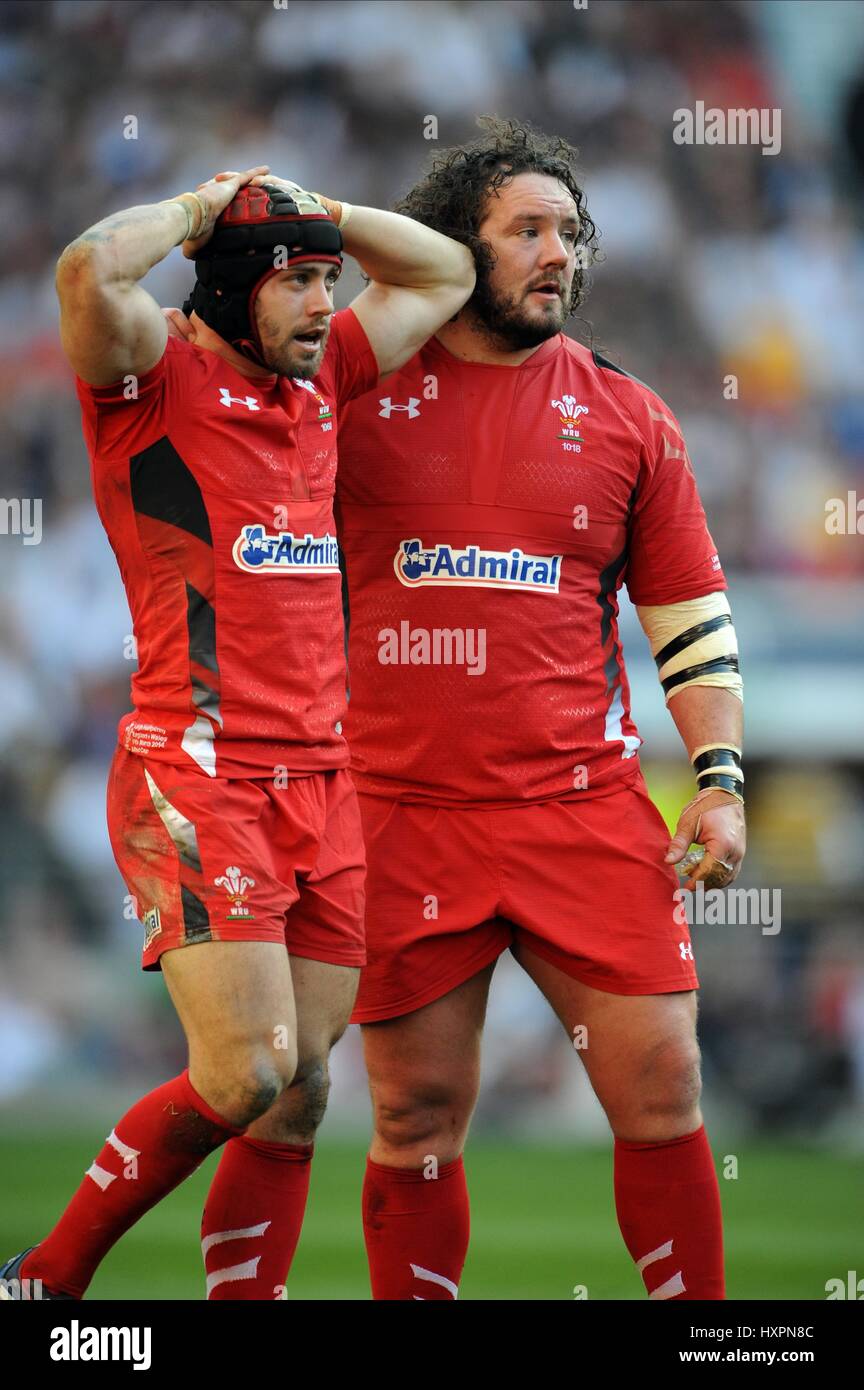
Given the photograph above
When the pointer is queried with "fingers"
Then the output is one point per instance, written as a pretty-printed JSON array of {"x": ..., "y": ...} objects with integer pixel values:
[
  {"x": 713, "y": 868},
  {"x": 217, "y": 178},
  {"x": 720, "y": 863},
  {"x": 218, "y": 193},
  {"x": 686, "y": 831},
  {"x": 719, "y": 826},
  {"x": 178, "y": 324},
  {"x": 712, "y": 872},
  {"x": 256, "y": 173}
]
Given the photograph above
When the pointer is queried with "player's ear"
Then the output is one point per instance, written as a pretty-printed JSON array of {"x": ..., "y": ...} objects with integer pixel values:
[{"x": 178, "y": 325}]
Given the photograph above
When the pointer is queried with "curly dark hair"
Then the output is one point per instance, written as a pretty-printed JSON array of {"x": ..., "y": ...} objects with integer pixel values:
[{"x": 453, "y": 195}]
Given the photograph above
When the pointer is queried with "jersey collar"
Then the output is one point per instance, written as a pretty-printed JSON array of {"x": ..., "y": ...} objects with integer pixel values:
[{"x": 542, "y": 354}]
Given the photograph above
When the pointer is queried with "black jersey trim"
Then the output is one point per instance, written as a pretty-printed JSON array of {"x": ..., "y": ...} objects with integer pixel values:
[{"x": 163, "y": 488}]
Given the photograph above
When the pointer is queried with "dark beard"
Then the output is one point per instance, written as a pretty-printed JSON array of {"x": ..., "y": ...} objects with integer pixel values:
[
  {"x": 505, "y": 322},
  {"x": 281, "y": 361}
]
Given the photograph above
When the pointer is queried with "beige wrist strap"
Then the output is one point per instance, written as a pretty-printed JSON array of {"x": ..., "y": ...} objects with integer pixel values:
[
  {"x": 196, "y": 213},
  {"x": 712, "y": 791},
  {"x": 345, "y": 209}
]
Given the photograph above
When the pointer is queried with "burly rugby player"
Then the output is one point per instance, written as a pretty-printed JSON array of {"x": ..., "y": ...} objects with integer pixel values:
[
  {"x": 493, "y": 496},
  {"x": 231, "y": 811}
]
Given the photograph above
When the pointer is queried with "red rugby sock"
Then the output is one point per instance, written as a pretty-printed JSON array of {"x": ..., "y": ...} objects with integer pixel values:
[
  {"x": 252, "y": 1218},
  {"x": 416, "y": 1230},
  {"x": 668, "y": 1203},
  {"x": 158, "y": 1143}
]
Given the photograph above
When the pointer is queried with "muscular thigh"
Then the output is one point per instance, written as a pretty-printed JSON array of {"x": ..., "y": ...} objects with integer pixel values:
[
  {"x": 230, "y": 994},
  {"x": 637, "y": 1049},
  {"x": 433, "y": 1049},
  {"x": 324, "y": 996},
  {"x": 234, "y": 998}
]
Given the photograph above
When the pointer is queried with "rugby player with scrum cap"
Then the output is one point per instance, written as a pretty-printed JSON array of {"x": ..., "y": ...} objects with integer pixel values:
[
  {"x": 494, "y": 494},
  {"x": 230, "y": 807}
]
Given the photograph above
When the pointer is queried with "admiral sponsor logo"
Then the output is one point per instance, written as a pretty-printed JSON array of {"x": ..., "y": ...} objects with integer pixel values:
[
  {"x": 484, "y": 569},
  {"x": 152, "y": 922},
  {"x": 255, "y": 549},
  {"x": 569, "y": 413}
]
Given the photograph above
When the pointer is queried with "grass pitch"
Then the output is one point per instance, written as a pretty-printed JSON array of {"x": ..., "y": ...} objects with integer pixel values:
[{"x": 543, "y": 1222}]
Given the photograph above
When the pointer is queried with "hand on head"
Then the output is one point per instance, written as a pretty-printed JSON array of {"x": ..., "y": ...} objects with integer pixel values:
[{"x": 215, "y": 195}]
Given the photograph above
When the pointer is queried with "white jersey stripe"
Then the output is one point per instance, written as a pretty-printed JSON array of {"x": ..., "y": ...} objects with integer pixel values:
[{"x": 664, "y": 419}]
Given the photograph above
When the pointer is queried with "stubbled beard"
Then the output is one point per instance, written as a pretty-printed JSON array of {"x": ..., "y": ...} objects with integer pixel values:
[
  {"x": 305, "y": 370},
  {"x": 505, "y": 320},
  {"x": 286, "y": 360}
]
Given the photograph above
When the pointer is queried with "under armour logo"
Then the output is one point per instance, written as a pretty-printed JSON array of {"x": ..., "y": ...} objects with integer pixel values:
[
  {"x": 387, "y": 407},
  {"x": 686, "y": 950},
  {"x": 225, "y": 398}
]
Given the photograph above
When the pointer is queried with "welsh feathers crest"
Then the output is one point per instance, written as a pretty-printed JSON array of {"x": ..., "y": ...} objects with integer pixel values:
[{"x": 568, "y": 407}]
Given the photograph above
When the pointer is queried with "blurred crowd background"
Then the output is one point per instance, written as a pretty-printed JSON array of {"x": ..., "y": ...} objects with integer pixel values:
[{"x": 730, "y": 280}]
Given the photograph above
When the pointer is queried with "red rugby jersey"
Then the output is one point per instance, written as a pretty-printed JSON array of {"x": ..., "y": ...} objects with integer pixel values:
[
  {"x": 488, "y": 515},
  {"x": 216, "y": 492}
]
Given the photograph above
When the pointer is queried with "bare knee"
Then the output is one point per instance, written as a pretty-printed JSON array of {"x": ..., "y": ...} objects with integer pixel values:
[
  {"x": 421, "y": 1118},
  {"x": 244, "y": 1082},
  {"x": 661, "y": 1100},
  {"x": 308, "y": 1097},
  {"x": 295, "y": 1115}
]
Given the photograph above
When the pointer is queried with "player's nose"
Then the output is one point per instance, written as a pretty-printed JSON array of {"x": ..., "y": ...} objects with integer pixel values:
[
  {"x": 318, "y": 301},
  {"x": 554, "y": 251}
]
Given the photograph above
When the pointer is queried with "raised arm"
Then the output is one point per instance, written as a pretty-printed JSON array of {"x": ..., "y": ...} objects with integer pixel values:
[
  {"x": 109, "y": 326},
  {"x": 419, "y": 278}
]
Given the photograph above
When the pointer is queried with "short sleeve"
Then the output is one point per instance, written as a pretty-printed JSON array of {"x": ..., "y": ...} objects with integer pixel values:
[
  {"x": 127, "y": 416},
  {"x": 350, "y": 367},
  {"x": 671, "y": 554}
]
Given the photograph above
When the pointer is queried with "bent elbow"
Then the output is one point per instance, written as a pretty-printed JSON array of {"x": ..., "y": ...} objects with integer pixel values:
[{"x": 76, "y": 268}]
